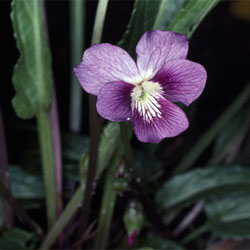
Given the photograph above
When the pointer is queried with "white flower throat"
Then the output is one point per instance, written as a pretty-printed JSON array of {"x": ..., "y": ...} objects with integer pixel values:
[{"x": 145, "y": 99}]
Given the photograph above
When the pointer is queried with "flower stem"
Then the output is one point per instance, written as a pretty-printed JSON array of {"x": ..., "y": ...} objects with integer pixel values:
[
  {"x": 149, "y": 208},
  {"x": 77, "y": 16},
  {"x": 99, "y": 21},
  {"x": 4, "y": 171},
  {"x": 20, "y": 213},
  {"x": 67, "y": 214},
  {"x": 195, "y": 234},
  {"x": 107, "y": 206},
  {"x": 55, "y": 130},
  {"x": 46, "y": 149},
  {"x": 126, "y": 143},
  {"x": 94, "y": 124}
]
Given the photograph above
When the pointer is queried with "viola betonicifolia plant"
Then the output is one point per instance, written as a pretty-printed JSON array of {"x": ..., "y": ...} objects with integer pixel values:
[
  {"x": 125, "y": 195},
  {"x": 143, "y": 92}
]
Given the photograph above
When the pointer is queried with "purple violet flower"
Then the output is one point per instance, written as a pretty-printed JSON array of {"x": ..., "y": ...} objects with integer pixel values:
[{"x": 143, "y": 92}]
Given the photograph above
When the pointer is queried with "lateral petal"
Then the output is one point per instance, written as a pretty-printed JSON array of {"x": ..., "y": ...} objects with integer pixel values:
[
  {"x": 114, "y": 101},
  {"x": 182, "y": 80}
]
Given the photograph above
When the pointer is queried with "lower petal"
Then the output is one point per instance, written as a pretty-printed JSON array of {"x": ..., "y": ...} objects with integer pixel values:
[
  {"x": 171, "y": 122},
  {"x": 114, "y": 101}
]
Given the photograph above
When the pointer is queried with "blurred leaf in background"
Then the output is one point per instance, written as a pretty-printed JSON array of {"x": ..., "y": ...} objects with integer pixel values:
[
  {"x": 184, "y": 189},
  {"x": 229, "y": 215},
  {"x": 17, "y": 238}
]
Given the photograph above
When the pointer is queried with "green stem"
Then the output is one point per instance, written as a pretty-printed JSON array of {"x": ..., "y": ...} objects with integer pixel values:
[
  {"x": 99, "y": 21},
  {"x": 19, "y": 211},
  {"x": 149, "y": 208},
  {"x": 77, "y": 28},
  {"x": 94, "y": 124},
  {"x": 6, "y": 214},
  {"x": 126, "y": 142},
  {"x": 107, "y": 206},
  {"x": 203, "y": 142},
  {"x": 76, "y": 201},
  {"x": 67, "y": 214},
  {"x": 194, "y": 234},
  {"x": 46, "y": 149},
  {"x": 234, "y": 140}
]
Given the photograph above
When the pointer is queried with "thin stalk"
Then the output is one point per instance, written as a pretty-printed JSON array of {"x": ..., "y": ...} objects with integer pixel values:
[
  {"x": 4, "y": 171},
  {"x": 232, "y": 145},
  {"x": 46, "y": 149},
  {"x": 149, "y": 208},
  {"x": 194, "y": 234},
  {"x": 94, "y": 124},
  {"x": 191, "y": 216},
  {"x": 107, "y": 206},
  {"x": 75, "y": 202},
  {"x": 203, "y": 142},
  {"x": 99, "y": 21},
  {"x": 234, "y": 142},
  {"x": 55, "y": 130},
  {"x": 20, "y": 213},
  {"x": 126, "y": 143},
  {"x": 67, "y": 214},
  {"x": 93, "y": 152},
  {"x": 77, "y": 33},
  {"x": 56, "y": 137}
]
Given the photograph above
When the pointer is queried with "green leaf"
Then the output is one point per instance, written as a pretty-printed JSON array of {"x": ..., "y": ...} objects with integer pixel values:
[
  {"x": 229, "y": 216},
  {"x": 230, "y": 134},
  {"x": 74, "y": 145},
  {"x": 109, "y": 141},
  {"x": 25, "y": 185},
  {"x": 32, "y": 76},
  {"x": 207, "y": 138},
  {"x": 17, "y": 238},
  {"x": 156, "y": 242},
  {"x": 181, "y": 16},
  {"x": 188, "y": 18},
  {"x": 148, "y": 15},
  {"x": 198, "y": 184}
]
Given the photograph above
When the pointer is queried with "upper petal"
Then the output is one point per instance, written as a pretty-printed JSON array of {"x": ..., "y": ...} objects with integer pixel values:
[
  {"x": 103, "y": 63},
  {"x": 170, "y": 123},
  {"x": 157, "y": 47},
  {"x": 114, "y": 101},
  {"x": 182, "y": 80}
]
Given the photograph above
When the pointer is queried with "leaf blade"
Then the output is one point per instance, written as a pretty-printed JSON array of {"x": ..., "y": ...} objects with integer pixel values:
[
  {"x": 197, "y": 184},
  {"x": 32, "y": 75}
]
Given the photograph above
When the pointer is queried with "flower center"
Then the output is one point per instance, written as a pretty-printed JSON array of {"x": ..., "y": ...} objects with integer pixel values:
[{"x": 145, "y": 100}]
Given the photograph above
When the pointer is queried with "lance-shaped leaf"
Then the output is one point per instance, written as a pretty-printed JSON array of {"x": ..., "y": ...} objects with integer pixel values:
[
  {"x": 148, "y": 15},
  {"x": 183, "y": 189},
  {"x": 229, "y": 216},
  {"x": 187, "y": 19},
  {"x": 32, "y": 76},
  {"x": 177, "y": 15}
]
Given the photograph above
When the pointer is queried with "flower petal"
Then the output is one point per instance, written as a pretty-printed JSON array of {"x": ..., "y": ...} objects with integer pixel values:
[
  {"x": 172, "y": 122},
  {"x": 182, "y": 80},
  {"x": 157, "y": 47},
  {"x": 103, "y": 63},
  {"x": 114, "y": 101}
]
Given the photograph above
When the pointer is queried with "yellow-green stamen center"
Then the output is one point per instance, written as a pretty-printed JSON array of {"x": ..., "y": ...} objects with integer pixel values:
[{"x": 145, "y": 99}]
